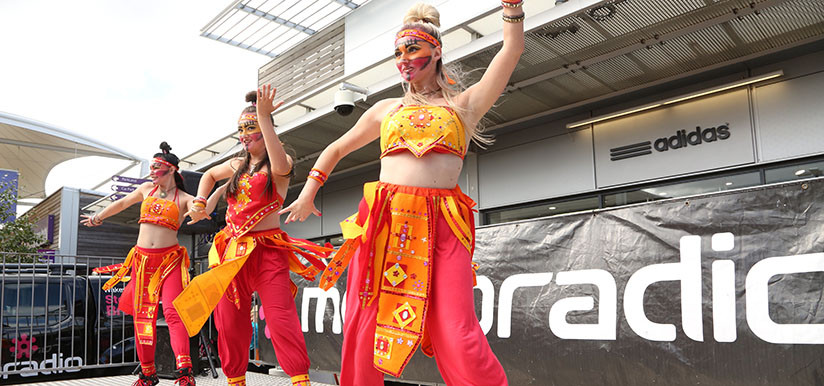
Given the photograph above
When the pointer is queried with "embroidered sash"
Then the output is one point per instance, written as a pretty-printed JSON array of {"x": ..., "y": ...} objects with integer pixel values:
[
  {"x": 395, "y": 238},
  {"x": 142, "y": 294},
  {"x": 199, "y": 299}
]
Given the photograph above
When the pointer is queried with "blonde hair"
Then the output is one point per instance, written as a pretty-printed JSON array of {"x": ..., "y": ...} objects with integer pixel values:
[{"x": 450, "y": 78}]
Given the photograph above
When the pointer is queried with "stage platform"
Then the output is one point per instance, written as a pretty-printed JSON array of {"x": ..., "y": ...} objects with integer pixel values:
[{"x": 252, "y": 379}]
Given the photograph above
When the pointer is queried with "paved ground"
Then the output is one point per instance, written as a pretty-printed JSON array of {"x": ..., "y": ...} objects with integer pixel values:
[{"x": 252, "y": 379}]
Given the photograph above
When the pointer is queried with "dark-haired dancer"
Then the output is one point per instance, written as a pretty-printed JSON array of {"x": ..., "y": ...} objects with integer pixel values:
[
  {"x": 251, "y": 253},
  {"x": 411, "y": 278},
  {"x": 159, "y": 266}
]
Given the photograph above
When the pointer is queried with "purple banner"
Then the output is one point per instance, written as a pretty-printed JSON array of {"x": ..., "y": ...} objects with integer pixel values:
[
  {"x": 8, "y": 180},
  {"x": 124, "y": 188},
  {"x": 129, "y": 180}
]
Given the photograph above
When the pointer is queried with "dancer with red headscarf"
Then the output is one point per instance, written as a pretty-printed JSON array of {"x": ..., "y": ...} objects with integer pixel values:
[{"x": 158, "y": 266}]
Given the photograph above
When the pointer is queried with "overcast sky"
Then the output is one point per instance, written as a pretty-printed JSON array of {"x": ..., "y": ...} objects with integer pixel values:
[{"x": 128, "y": 73}]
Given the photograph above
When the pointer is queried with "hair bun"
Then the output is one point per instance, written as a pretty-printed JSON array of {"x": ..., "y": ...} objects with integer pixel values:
[
  {"x": 422, "y": 13},
  {"x": 165, "y": 147},
  {"x": 251, "y": 97}
]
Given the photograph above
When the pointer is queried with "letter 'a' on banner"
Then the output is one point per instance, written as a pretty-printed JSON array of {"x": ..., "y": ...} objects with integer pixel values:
[{"x": 200, "y": 297}]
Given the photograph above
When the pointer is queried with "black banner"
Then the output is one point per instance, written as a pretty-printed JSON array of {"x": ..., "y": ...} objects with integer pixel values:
[{"x": 721, "y": 289}]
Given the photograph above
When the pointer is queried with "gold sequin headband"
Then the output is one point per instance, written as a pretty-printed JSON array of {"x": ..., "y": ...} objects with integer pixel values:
[
  {"x": 418, "y": 34},
  {"x": 248, "y": 117}
]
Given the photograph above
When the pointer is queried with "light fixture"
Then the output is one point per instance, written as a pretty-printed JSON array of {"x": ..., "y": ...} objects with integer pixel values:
[
  {"x": 728, "y": 183},
  {"x": 662, "y": 193},
  {"x": 552, "y": 208},
  {"x": 677, "y": 99},
  {"x": 800, "y": 172}
]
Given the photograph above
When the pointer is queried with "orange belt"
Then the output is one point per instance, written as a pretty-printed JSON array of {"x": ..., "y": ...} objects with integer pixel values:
[
  {"x": 226, "y": 258},
  {"x": 395, "y": 239},
  {"x": 146, "y": 284}
]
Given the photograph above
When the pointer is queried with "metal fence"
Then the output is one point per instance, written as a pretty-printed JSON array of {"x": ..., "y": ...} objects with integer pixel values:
[{"x": 57, "y": 319}]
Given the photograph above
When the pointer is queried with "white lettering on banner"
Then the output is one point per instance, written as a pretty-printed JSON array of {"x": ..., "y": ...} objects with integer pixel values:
[
  {"x": 758, "y": 304},
  {"x": 321, "y": 296},
  {"x": 723, "y": 301},
  {"x": 34, "y": 368},
  {"x": 605, "y": 329},
  {"x": 487, "y": 302},
  {"x": 505, "y": 298},
  {"x": 723, "y": 290},
  {"x": 687, "y": 272}
]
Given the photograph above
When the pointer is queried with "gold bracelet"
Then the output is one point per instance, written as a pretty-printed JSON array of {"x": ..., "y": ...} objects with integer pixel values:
[
  {"x": 508, "y": 4},
  {"x": 514, "y": 19}
]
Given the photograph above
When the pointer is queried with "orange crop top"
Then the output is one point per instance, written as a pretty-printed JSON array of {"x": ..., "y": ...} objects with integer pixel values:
[
  {"x": 420, "y": 129},
  {"x": 160, "y": 211}
]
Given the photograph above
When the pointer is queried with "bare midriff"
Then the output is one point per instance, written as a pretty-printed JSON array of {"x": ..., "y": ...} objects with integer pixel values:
[
  {"x": 156, "y": 236},
  {"x": 432, "y": 170}
]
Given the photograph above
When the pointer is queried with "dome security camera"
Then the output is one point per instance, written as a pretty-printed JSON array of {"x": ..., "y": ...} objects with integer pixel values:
[
  {"x": 344, "y": 102},
  {"x": 345, "y": 98}
]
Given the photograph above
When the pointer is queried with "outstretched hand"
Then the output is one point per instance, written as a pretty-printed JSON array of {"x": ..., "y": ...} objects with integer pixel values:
[
  {"x": 299, "y": 211},
  {"x": 89, "y": 222},
  {"x": 266, "y": 100},
  {"x": 197, "y": 214}
]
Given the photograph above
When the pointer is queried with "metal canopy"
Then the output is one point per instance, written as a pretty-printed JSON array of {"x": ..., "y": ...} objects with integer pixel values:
[
  {"x": 33, "y": 148},
  {"x": 577, "y": 57},
  {"x": 271, "y": 27}
]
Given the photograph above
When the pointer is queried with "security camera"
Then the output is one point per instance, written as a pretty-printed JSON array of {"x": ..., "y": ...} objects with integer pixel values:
[{"x": 345, "y": 98}]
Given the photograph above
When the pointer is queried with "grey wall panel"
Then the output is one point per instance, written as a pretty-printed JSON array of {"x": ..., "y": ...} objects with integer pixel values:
[
  {"x": 536, "y": 170},
  {"x": 790, "y": 118},
  {"x": 304, "y": 230},
  {"x": 337, "y": 206},
  {"x": 647, "y": 146}
]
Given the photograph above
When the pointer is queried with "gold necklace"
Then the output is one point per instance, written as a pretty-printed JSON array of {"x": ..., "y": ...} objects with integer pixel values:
[{"x": 163, "y": 193}]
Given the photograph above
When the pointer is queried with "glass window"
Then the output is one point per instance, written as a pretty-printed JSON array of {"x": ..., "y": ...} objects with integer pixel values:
[
  {"x": 27, "y": 305},
  {"x": 681, "y": 189},
  {"x": 794, "y": 172},
  {"x": 496, "y": 216}
]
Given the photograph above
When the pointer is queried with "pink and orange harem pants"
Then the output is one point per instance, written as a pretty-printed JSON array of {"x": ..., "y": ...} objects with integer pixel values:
[
  {"x": 411, "y": 250},
  {"x": 157, "y": 274},
  {"x": 255, "y": 261}
]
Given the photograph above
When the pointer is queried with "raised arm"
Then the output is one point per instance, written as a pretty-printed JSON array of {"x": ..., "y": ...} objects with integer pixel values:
[
  {"x": 280, "y": 163},
  {"x": 480, "y": 97},
  {"x": 117, "y": 206},
  {"x": 366, "y": 130}
]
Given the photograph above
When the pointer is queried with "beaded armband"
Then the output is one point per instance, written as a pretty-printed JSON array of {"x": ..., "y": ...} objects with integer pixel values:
[{"x": 318, "y": 176}]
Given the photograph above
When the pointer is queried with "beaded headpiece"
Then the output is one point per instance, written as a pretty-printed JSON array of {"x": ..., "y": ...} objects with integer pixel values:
[{"x": 418, "y": 34}]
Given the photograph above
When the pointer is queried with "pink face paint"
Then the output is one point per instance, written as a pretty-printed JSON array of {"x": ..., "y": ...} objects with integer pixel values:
[
  {"x": 159, "y": 170},
  {"x": 249, "y": 139},
  {"x": 411, "y": 57}
]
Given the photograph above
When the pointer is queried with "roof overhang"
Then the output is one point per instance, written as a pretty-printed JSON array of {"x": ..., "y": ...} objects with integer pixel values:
[
  {"x": 33, "y": 148},
  {"x": 271, "y": 27},
  {"x": 578, "y": 55}
]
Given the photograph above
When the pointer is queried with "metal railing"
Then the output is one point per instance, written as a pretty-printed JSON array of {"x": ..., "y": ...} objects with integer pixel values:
[{"x": 56, "y": 318}]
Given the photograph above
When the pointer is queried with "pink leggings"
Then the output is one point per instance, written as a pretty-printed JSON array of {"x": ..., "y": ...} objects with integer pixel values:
[
  {"x": 461, "y": 350},
  {"x": 170, "y": 288},
  {"x": 267, "y": 272}
]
